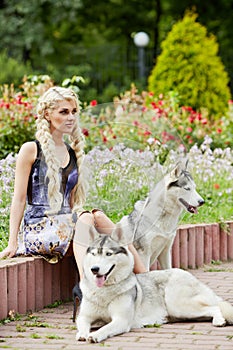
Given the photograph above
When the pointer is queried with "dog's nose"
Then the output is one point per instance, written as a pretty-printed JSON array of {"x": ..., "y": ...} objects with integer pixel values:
[
  {"x": 201, "y": 202},
  {"x": 95, "y": 270}
]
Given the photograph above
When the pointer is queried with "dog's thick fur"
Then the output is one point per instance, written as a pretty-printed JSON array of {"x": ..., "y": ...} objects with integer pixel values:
[
  {"x": 113, "y": 294},
  {"x": 153, "y": 223}
]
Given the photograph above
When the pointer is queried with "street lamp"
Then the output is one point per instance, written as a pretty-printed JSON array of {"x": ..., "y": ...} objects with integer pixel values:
[{"x": 141, "y": 40}]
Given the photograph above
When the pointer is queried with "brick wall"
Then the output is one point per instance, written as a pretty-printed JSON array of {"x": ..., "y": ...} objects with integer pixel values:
[{"x": 31, "y": 283}]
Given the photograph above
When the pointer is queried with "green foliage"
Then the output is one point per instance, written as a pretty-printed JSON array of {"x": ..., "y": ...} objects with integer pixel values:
[
  {"x": 12, "y": 70},
  {"x": 189, "y": 65}
]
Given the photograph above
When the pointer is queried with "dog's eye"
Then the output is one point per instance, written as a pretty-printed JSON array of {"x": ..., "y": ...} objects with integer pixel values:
[{"x": 108, "y": 254}]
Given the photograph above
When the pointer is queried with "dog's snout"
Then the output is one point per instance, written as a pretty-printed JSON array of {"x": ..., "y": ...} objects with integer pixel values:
[
  {"x": 201, "y": 202},
  {"x": 95, "y": 270}
]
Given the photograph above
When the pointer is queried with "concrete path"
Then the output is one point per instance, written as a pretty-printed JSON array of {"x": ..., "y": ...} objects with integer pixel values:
[{"x": 52, "y": 328}]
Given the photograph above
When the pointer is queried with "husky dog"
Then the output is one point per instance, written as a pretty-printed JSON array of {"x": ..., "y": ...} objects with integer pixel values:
[
  {"x": 113, "y": 294},
  {"x": 153, "y": 223}
]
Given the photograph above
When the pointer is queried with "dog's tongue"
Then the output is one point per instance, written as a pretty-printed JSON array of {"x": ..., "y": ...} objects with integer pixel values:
[{"x": 99, "y": 280}]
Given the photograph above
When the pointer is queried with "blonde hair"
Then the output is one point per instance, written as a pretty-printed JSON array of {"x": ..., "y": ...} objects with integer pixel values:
[{"x": 48, "y": 102}]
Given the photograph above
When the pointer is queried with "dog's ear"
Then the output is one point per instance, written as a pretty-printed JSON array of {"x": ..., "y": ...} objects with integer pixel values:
[
  {"x": 179, "y": 168},
  {"x": 118, "y": 235},
  {"x": 93, "y": 233}
]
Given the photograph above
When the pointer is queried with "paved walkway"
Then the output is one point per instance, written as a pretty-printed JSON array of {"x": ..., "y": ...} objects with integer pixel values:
[{"x": 52, "y": 328}]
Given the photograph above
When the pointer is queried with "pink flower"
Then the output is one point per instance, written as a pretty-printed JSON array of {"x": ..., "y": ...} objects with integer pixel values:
[
  {"x": 204, "y": 121},
  {"x": 189, "y": 129}
]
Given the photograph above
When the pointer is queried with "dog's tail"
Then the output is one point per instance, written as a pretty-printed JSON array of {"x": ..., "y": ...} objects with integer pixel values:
[{"x": 227, "y": 311}]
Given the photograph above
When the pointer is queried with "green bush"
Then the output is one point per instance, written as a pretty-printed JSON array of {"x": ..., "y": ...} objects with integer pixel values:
[
  {"x": 189, "y": 65},
  {"x": 17, "y": 121},
  {"x": 12, "y": 71}
]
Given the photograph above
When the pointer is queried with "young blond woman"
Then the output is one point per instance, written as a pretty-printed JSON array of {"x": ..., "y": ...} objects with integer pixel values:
[{"x": 47, "y": 210}]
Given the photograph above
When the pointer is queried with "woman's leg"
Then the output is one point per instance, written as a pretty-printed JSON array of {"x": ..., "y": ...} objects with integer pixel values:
[{"x": 81, "y": 239}]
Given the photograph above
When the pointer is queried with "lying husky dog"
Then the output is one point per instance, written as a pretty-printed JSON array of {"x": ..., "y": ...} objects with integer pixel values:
[
  {"x": 153, "y": 223},
  {"x": 112, "y": 293}
]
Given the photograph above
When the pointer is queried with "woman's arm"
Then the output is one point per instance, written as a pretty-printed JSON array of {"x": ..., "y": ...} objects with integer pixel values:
[{"x": 25, "y": 159}]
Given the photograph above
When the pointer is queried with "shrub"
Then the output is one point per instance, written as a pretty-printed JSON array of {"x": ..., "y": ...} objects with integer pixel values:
[
  {"x": 189, "y": 65},
  {"x": 17, "y": 121},
  {"x": 12, "y": 71}
]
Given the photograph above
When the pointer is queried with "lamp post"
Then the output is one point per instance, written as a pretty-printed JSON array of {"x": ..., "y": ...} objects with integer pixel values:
[{"x": 141, "y": 40}]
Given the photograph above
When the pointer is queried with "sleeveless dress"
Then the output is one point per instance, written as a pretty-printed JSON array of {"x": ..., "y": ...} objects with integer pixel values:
[{"x": 48, "y": 235}]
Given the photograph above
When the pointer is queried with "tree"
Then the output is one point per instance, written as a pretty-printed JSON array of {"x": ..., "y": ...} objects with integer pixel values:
[{"x": 189, "y": 64}]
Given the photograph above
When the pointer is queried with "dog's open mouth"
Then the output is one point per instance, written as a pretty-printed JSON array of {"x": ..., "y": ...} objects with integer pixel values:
[
  {"x": 190, "y": 208},
  {"x": 100, "y": 279}
]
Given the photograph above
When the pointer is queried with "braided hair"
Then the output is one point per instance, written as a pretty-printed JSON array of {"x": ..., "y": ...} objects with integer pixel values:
[{"x": 47, "y": 102}]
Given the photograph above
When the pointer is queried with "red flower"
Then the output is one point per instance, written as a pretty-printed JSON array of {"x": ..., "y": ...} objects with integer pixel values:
[
  {"x": 147, "y": 133},
  {"x": 191, "y": 119},
  {"x": 93, "y": 103},
  {"x": 216, "y": 186},
  {"x": 135, "y": 123},
  {"x": 85, "y": 132},
  {"x": 219, "y": 130}
]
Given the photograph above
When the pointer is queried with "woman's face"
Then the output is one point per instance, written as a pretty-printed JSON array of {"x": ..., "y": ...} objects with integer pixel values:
[{"x": 62, "y": 117}]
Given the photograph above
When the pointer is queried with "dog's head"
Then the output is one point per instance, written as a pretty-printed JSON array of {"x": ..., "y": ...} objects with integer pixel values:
[
  {"x": 107, "y": 260},
  {"x": 182, "y": 186}
]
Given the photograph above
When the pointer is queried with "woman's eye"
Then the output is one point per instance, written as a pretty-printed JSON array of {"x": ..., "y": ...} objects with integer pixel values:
[
  {"x": 108, "y": 254},
  {"x": 187, "y": 188}
]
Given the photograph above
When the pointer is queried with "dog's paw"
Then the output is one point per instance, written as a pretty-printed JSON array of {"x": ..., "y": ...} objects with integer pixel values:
[
  {"x": 95, "y": 337},
  {"x": 81, "y": 337},
  {"x": 219, "y": 322}
]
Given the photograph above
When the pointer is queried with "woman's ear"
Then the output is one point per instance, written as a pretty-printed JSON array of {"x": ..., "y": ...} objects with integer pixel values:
[{"x": 46, "y": 115}]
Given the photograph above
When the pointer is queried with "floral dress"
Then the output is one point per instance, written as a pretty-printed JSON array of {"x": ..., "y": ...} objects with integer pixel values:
[{"x": 41, "y": 234}]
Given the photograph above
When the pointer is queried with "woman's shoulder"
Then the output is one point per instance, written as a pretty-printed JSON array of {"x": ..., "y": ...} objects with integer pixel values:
[{"x": 28, "y": 150}]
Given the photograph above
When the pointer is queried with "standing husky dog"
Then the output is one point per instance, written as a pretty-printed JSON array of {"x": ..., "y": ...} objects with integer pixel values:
[
  {"x": 112, "y": 293},
  {"x": 153, "y": 223}
]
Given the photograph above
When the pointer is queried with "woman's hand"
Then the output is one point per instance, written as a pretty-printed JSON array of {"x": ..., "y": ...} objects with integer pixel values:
[{"x": 8, "y": 252}]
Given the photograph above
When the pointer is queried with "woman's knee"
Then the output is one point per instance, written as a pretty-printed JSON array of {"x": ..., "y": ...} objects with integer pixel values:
[{"x": 86, "y": 218}]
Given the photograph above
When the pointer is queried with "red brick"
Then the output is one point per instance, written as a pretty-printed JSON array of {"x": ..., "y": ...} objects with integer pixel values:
[
  {"x": 47, "y": 283},
  {"x": 31, "y": 285},
  {"x": 192, "y": 247},
  {"x": 39, "y": 275},
  {"x": 199, "y": 246},
  {"x": 65, "y": 271},
  {"x": 208, "y": 244},
  {"x": 3, "y": 292},
  {"x": 223, "y": 245},
  {"x": 215, "y": 242},
  {"x": 56, "y": 290},
  {"x": 22, "y": 288},
  {"x": 230, "y": 242},
  {"x": 183, "y": 248},
  {"x": 12, "y": 287},
  {"x": 176, "y": 250}
]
